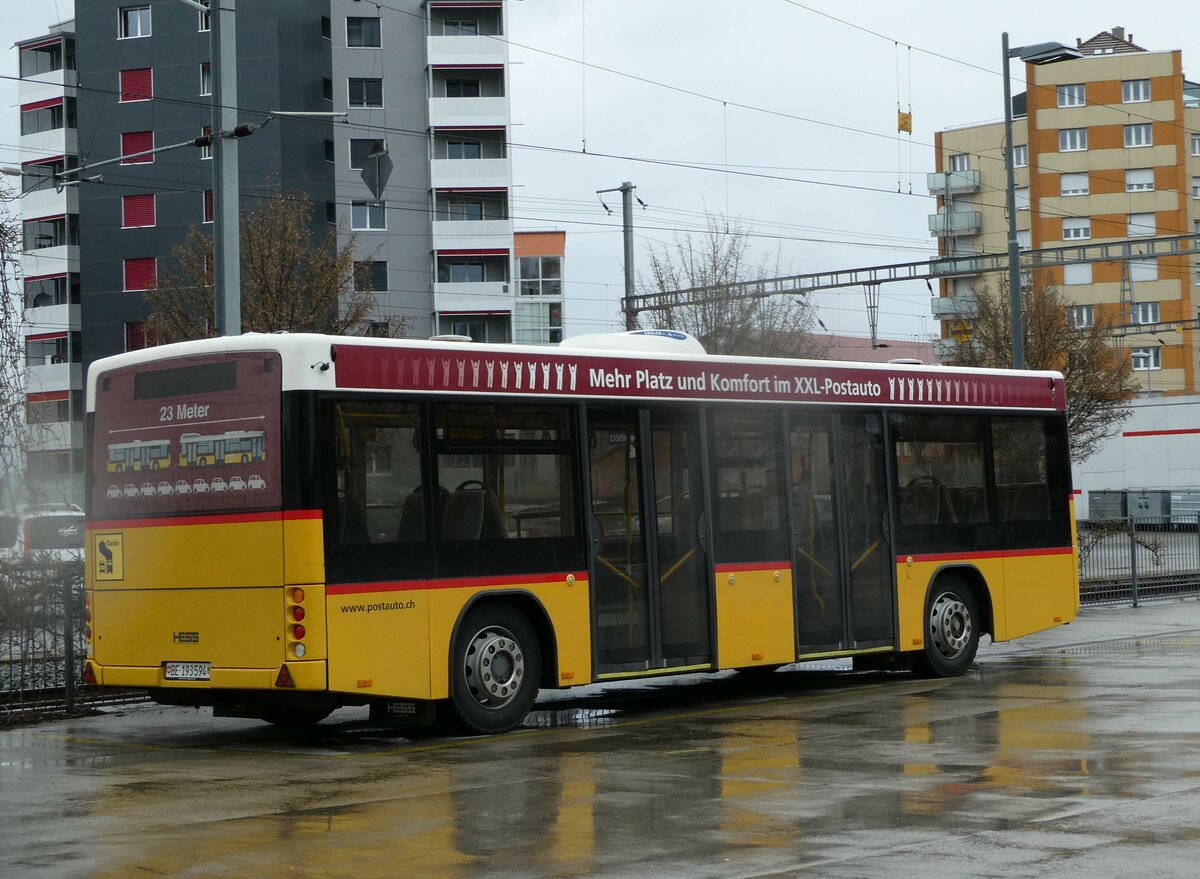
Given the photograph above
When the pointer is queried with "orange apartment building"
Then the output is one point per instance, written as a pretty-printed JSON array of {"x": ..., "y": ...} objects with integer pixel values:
[{"x": 1106, "y": 148}]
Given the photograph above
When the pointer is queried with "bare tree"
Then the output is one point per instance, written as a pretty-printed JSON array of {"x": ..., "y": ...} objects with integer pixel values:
[
  {"x": 1099, "y": 378},
  {"x": 291, "y": 280},
  {"x": 14, "y": 433},
  {"x": 726, "y": 321}
]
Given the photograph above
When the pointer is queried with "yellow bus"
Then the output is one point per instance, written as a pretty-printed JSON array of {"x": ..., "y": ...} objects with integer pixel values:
[
  {"x": 230, "y": 447},
  {"x": 438, "y": 524},
  {"x": 134, "y": 456}
]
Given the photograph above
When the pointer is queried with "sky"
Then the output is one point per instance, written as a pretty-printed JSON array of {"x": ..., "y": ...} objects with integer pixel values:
[{"x": 777, "y": 114}]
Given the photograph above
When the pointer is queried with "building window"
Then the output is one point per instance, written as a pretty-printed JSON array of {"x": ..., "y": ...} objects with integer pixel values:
[
  {"x": 1196, "y": 144},
  {"x": 1020, "y": 155},
  {"x": 206, "y": 151},
  {"x": 1196, "y": 187},
  {"x": 1081, "y": 316},
  {"x": 464, "y": 149},
  {"x": 360, "y": 150},
  {"x": 137, "y": 85},
  {"x": 1073, "y": 184},
  {"x": 1077, "y": 274},
  {"x": 1021, "y": 196},
  {"x": 137, "y": 211},
  {"x": 366, "y": 93},
  {"x": 327, "y": 89},
  {"x": 44, "y": 350},
  {"x": 362, "y": 33},
  {"x": 370, "y": 276},
  {"x": 1145, "y": 312},
  {"x": 137, "y": 142},
  {"x": 136, "y": 337},
  {"x": 204, "y": 16},
  {"x": 540, "y": 275},
  {"x": 464, "y": 209},
  {"x": 45, "y": 116},
  {"x": 368, "y": 215},
  {"x": 461, "y": 27},
  {"x": 1141, "y": 224},
  {"x": 1139, "y": 180},
  {"x": 537, "y": 323},
  {"x": 140, "y": 273},
  {"x": 462, "y": 88},
  {"x": 50, "y": 232},
  {"x": 207, "y": 206},
  {"x": 1073, "y": 95},
  {"x": 134, "y": 21},
  {"x": 1140, "y": 135},
  {"x": 1146, "y": 358},
  {"x": 205, "y": 78},
  {"x": 1072, "y": 140},
  {"x": 1143, "y": 269},
  {"x": 465, "y": 272},
  {"x": 55, "y": 290},
  {"x": 1135, "y": 91},
  {"x": 327, "y": 27},
  {"x": 960, "y": 162},
  {"x": 41, "y": 59},
  {"x": 331, "y": 212}
]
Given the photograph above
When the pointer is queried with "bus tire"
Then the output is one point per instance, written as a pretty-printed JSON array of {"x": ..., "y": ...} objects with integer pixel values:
[
  {"x": 951, "y": 633},
  {"x": 495, "y": 666}
]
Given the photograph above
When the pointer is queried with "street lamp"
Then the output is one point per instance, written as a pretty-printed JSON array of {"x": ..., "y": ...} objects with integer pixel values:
[{"x": 1039, "y": 53}]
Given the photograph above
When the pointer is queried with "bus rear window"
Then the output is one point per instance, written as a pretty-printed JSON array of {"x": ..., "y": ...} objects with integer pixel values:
[{"x": 197, "y": 434}]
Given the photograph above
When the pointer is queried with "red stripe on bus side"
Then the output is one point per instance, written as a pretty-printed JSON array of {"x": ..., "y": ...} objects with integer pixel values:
[
  {"x": 453, "y": 583},
  {"x": 985, "y": 554},
  {"x": 204, "y": 519},
  {"x": 734, "y": 568}
]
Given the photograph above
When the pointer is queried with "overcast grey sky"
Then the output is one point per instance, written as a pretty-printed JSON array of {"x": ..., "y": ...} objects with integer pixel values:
[{"x": 798, "y": 106}]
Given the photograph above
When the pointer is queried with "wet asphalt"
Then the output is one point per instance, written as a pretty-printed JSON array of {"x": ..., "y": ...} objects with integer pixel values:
[{"x": 1074, "y": 752}]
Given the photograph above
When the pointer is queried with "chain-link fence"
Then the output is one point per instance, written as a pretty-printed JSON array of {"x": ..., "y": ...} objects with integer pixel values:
[
  {"x": 1132, "y": 560},
  {"x": 42, "y": 634}
]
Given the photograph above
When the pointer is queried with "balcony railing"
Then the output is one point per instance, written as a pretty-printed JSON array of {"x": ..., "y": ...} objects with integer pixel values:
[
  {"x": 941, "y": 182},
  {"x": 950, "y": 307},
  {"x": 955, "y": 223}
]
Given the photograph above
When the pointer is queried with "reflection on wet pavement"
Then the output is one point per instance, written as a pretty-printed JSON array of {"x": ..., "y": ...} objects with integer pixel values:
[{"x": 1059, "y": 761}]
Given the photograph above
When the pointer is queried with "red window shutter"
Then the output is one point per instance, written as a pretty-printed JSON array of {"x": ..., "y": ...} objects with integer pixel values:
[
  {"x": 141, "y": 273},
  {"x": 208, "y": 205},
  {"x": 137, "y": 85},
  {"x": 136, "y": 142},
  {"x": 137, "y": 210}
]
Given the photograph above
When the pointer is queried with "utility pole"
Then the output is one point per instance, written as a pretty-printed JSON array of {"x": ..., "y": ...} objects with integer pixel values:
[
  {"x": 626, "y": 189},
  {"x": 227, "y": 257}
]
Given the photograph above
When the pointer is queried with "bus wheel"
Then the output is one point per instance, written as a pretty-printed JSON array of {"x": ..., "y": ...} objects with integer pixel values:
[
  {"x": 295, "y": 717},
  {"x": 495, "y": 668},
  {"x": 951, "y": 630}
]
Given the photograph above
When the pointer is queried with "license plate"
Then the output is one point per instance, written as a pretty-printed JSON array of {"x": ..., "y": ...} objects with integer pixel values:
[{"x": 188, "y": 671}]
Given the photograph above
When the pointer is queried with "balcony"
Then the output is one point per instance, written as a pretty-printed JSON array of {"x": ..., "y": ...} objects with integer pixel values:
[
  {"x": 472, "y": 234},
  {"x": 56, "y": 435},
  {"x": 44, "y": 86},
  {"x": 467, "y": 173},
  {"x": 52, "y": 317},
  {"x": 481, "y": 297},
  {"x": 463, "y": 49},
  {"x": 959, "y": 182},
  {"x": 955, "y": 266},
  {"x": 53, "y": 377},
  {"x": 942, "y": 224},
  {"x": 468, "y": 111},
  {"x": 953, "y": 307},
  {"x": 50, "y": 260},
  {"x": 46, "y": 201}
]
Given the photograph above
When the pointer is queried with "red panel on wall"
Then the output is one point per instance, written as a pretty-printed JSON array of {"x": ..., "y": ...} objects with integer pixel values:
[
  {"x": 136, "y": 142},
  {"x": 137, "y": 210},
  {"x": 141, "y": 273},
  {"x": 137, "y": 85},
  {"x": 208, "y": 205}
]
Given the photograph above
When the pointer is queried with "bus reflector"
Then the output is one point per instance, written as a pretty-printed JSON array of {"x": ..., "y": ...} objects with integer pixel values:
[
  {"x": 284, "y": 678},
  {"x": 89, "y": 673},
  {"x": 756, "y": 656}
]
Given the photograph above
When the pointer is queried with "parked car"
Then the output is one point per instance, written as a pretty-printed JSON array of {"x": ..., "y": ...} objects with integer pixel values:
[
  {"x": 131, "y": 490},
  {"x": 114, "y": 491},
  {"x": 236, "y": 483},
  {"x": 165, "y": 487},
  {"x": 257, "y": 482},
  {"x": 183, "y": 487},
  {"x": 218, "y": 484},
  {"x": 148, "y": 489},
  {"x": 200, "y": 487}
]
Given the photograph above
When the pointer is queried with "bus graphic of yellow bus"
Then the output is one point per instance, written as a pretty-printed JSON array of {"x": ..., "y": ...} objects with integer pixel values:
[
  {"x": 138, "y": 455},
  {"x": 231, "y": 447}
]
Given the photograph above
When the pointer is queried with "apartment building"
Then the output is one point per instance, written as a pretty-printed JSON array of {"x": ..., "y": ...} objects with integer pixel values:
[
  {"x": 1106, "y": 148},
  {"x": 394, "y": 120}
]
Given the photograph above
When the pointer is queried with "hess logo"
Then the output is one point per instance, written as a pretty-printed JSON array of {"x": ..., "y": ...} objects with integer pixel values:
[{"x": 185, "y": 637}]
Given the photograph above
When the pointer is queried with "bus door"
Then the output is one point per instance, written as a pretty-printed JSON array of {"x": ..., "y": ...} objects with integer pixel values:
[
  {"x": 650, "y": 568},
  {"x": 840, "y": 536}
]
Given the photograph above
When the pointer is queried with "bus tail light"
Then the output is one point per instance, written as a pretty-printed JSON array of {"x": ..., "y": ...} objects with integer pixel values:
[{"x": 295, "y": 631}]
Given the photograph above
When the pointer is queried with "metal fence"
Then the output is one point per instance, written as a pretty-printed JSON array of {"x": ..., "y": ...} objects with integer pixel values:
[{"x": 1138, "y": 559}]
